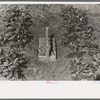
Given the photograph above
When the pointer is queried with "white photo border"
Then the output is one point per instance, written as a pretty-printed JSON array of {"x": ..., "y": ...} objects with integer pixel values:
[{"x": 57, "y": 89}]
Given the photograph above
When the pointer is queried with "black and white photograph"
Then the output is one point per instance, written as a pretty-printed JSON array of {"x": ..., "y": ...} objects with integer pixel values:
[
  {"x": 49, "y": 49},
  {"x": 49, "y": 42}
]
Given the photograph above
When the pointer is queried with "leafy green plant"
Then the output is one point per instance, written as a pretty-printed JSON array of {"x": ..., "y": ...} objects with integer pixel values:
[
  {"x": 79, "y": 37},
  {"x": 15, "y": 36}
]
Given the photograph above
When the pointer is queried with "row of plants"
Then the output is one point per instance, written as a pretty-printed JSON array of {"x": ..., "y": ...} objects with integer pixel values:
[
  {"x": 79, "y": 37},
  {"x": 13, "y": 39}
]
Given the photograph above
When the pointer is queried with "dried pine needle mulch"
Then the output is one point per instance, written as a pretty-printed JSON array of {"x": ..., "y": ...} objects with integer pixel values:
[{"x": 51, "y": 71}]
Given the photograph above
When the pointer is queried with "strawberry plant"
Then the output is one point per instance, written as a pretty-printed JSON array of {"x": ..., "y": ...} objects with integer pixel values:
[{"x": 15, "y": 36}]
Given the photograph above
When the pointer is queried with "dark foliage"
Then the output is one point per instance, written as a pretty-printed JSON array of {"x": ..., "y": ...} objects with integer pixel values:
[
  {"x": 14, "y": 38},
  {"x": 79, "y": 37}
]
